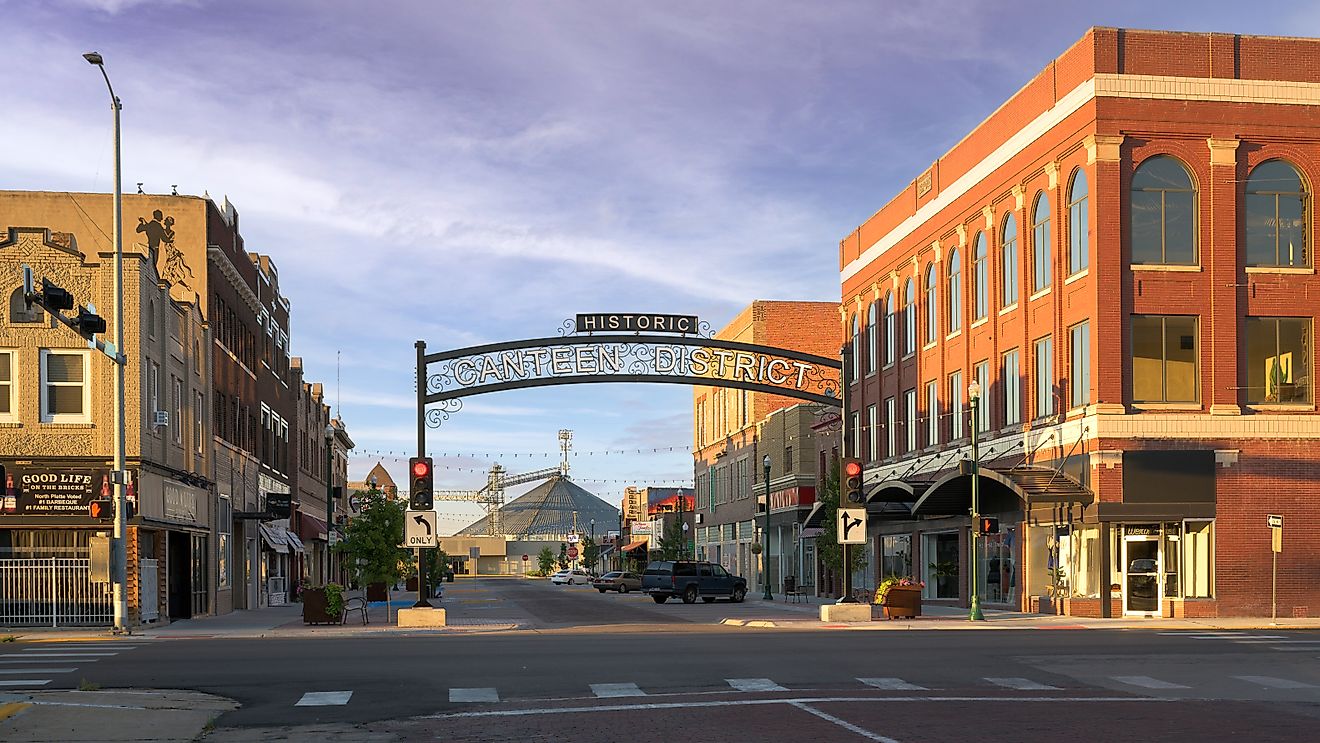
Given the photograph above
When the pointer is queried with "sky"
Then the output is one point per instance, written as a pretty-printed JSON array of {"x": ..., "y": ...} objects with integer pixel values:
[{"x": 471, "y": 172}]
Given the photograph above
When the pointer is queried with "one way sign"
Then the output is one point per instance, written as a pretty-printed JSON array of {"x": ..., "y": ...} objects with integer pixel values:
[
  {"x": 419, "y": 529},
  {"x": 850, "y": 526}
]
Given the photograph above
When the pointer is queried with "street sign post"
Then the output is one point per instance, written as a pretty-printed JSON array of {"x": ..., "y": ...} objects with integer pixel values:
[
  {"x": 526, "y": 558},
  {"x": 1275, "y": 522},
  {"x": 419, "y": 529},
  {"x": 572, "y": 553},
  {"x": 850, "y": 526}
]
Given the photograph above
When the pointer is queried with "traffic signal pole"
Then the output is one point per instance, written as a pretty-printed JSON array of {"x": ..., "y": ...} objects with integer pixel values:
[
  {"x": 845, "y": 375},
  {"x": 422, "y": 603}
]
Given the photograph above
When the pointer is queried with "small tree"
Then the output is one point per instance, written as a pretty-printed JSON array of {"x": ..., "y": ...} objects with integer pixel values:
[
  {"x": 563, "y": 556},
  {"x": 673, "y": 543},
  {"x": 371, "y": 543},
  {"x": 590, "y": 553},
  {"x": 545, "y": 560},
  {"x": 828, "y": 548}
]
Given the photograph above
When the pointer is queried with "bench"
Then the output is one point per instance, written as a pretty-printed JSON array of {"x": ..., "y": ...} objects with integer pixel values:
[
  {"x": 792, "y": 592},
  {"x": 357, "y": 604}
]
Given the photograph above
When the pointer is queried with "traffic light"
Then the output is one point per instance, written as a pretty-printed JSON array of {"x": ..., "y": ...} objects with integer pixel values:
[
  {"x": 101, "y": 508},
  {"x": 55, "y": 298},
  {"x": 989, "y": 525},
  {"x": 421, "y": 495},
  {"x": 88, "y": 323},
  {"x": 852, "y": 479}
]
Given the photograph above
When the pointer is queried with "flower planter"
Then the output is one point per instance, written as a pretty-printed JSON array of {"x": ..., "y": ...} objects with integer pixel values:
[
  {"x": 903, "y": 602},
  {"x": 314, "y": 607}
]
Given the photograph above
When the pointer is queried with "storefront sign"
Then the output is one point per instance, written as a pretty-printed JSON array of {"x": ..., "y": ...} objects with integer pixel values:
[
  {"x": 180, "y": 502},
  {"x": 792, "y": 497},
  {"x": 52, "y": 491},
  {"x": 640, "y": 528},
  {"x": 278, "y": 504}
]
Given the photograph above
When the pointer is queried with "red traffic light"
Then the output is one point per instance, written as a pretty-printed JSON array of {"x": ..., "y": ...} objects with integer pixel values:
[
  {"x": 852, "y": 468},
  {"x": 421, "y": 468}
]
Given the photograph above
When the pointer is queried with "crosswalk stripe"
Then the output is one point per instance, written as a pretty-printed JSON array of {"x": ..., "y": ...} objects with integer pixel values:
[
  {"x": 36, "y": 670},
  {"x": 617, "y": 690},
  {"x": 40, "y": 659},
  {"x": 1147, "y": 682},
  {"x": 892, "y": 684},
  {"x": 1275, "y": 683},
  {"x": 754, "y": 685},
  {"x": 1020, "y": 684},
  {"x": 25, "y": 682},
  {"x": 324, "y": 699},
  {"x": 75, "y": 646},
  {"x": 39, "y": 654},
  {"x": 474, "y": 695}
]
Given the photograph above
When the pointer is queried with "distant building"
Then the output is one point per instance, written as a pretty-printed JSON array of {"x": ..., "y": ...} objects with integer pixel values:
[{"x": 377, "y": 477}]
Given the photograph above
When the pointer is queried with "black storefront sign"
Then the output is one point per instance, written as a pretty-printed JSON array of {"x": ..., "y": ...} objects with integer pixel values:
[
  {"x": 34, "y": 490},
  {"x": 279, "y": 505},
  {"x": 636, "y": 322}
]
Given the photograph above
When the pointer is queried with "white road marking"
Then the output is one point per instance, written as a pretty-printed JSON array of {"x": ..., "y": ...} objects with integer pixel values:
[
  {"x": 324, "y": 699},
  {"x": 25, "y": 682},
  {"x": 1021, "y": 684},
  {"x": 40, "y": 654},
  {"x": 76, "y": 646},
  {"x": 804, "y": 700},
  {"x": 1147, "y": 682},
  {"x": 1277, "y": 642},
  {"x": 37, "y": 670},
  {"x": 40, "y": 659},
  {"x": 1275, "y": 683},
  {"x": 754, "y": 685},
  {"x": 474, "y": 695},
  {"x": 617, "y": 690},
  {"x": 892, "y": 684},
  {"x": 844, "y": 724}
]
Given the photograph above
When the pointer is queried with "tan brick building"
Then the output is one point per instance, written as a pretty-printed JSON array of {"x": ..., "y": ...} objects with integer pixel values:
[{"x": 1120, "y": 257}]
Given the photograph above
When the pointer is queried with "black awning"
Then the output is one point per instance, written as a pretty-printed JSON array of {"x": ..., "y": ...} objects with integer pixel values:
[{"x": 951, "y": 495}]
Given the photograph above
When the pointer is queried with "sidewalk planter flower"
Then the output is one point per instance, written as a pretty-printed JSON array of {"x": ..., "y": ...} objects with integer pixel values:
[{"x": 900, "y": 597}]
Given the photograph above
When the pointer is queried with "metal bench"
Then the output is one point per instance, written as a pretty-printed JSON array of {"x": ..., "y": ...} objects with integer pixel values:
[
  {"x": 791, "y": 590},
  {"x": 357, "y": 603}
]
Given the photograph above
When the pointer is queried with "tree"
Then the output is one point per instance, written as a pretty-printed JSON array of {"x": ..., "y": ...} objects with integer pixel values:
[
  {"x": 590, "y": 553},
  {"x": 371, "y": 542},
  {"x": 828, "y": 549},
  {"x": 545, "y": 560},
  {"x": 673, "y": 543},
  {"x": 563, "y": 556}
]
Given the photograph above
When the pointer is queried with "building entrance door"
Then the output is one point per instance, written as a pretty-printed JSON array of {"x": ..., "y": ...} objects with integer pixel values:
[{"x": 1142, "y": 572}]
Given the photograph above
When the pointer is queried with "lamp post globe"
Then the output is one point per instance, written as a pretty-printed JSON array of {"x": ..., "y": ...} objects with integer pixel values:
[
  {"x": 974, "y": 613},
  {"x": 765, "y": 532}
]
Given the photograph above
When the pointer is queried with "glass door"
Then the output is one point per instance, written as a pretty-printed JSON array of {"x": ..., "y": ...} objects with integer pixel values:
[{"x": 1142, "y": 573}]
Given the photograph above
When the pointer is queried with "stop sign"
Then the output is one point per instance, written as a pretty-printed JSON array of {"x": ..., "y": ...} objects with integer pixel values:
[
  {"x": 526, "y": 558},
  {"x": 572, "y": 552}
]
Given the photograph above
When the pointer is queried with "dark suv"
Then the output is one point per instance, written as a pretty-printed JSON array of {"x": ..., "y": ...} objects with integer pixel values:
[{"x": 690, "y": 580}]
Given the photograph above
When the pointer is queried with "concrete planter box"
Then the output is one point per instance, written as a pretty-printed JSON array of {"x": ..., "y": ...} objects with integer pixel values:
[
  {"x": 421, "y": 617},
  {"x": 845, "y": 612}
]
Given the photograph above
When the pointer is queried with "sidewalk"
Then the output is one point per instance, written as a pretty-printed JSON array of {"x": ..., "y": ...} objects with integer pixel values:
[{"x": 104, "y": 716}]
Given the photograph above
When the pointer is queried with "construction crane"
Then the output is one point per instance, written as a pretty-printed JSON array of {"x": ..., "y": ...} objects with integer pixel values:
[{"x": 491, "y": 495}]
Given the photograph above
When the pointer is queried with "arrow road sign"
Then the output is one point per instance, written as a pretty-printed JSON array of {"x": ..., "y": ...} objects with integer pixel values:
[
  {"x": 851, "y": 526},
  {"x": 419, "y": 529}
]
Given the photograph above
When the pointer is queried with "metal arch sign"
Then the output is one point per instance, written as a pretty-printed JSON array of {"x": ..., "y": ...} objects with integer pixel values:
[{"x": 542, "y": 362}]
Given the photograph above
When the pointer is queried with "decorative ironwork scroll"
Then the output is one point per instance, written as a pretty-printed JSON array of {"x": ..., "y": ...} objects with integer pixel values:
[{"x": 576, "y": 359}]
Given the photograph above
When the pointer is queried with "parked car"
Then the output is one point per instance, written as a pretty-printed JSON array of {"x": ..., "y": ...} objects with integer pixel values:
[
  {"x": 576, "y": 575},
  {"x": 691, "y": 580},
  {"x": 618, "y": 581}
]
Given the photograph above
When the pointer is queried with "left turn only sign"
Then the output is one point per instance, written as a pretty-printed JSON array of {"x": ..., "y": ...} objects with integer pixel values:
[{"x": 419, "y": 529}]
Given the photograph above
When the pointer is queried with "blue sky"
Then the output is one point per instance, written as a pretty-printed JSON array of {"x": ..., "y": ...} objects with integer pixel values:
[{"x": 468, "y": 172}]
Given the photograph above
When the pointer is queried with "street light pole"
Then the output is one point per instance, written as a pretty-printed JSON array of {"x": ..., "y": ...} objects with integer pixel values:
[
  {"x": 595, "y": 557},
  {"x": 974, "y": 611},
  {"x": 765, "y": 548},
  {"x": 118, "y": 545},
  {"x": 329, "y": 498}
]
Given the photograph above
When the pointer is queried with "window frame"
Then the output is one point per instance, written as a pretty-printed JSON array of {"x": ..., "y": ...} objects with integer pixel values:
[
  {"x": 1164, "y": 360},
  {"x": 1164, "y": 212},
  {"x": 176, "y": 409},
  {"x": 1079, "y": 224},
  {"x": 1042, "y": 249},
  {"x": 956, "y": 417},
  {"x": 891, "y": 329},
  {"x": 932, "y": 303},
  {"x": 981, "y": 373},
  {"x": 12, "y": 416},
  {"x": 1303, "y": 196},
  {"x": 954, "y": 298},
  {"x": 1309, "y": 325},
  {"x": 1012, "y": 384},
  {"x": 873, "y": 441},
  {"x": 1079, "y": 356},
  {"x": 933, "y": 413},
  {"x": 1044, "y": 378},
  {"x": 910, "y": 417},
  {"x": 1008, "y": 260},
  {"x": 909, "y": 318},
  {"x": 891, "y": 422},
  {"x": 46, "y": 415},
  {"x": 980, "y": 277},
  {"x": 871, "y": 339},
  {"x": 856, "y": 349}
]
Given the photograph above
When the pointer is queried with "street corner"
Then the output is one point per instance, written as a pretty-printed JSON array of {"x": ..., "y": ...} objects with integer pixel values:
[{"x": 107, "y": 716}]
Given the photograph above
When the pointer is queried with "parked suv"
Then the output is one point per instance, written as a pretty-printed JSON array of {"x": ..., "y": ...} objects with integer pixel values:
[{"x": 690, "y": 580}]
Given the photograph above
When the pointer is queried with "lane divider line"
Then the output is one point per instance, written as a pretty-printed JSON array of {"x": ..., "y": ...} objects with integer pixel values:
[{"x": 843, "y": 723}]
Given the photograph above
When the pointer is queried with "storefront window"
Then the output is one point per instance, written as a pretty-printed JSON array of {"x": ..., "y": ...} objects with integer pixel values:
[
  {"x": 1278, "y": 360},
  {"x": 1198, "y": 559},
  {"x": 940, "y": 555},
  {"x": 1080, "y": 551},
  {"x": 896, "y": 555},
  {"x": 998, "y": 567}
]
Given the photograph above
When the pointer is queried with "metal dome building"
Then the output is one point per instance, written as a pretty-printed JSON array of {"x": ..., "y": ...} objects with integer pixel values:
[{"x": 550, "y": 511}]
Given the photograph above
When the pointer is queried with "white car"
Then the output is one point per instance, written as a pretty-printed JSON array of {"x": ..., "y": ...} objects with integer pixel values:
[{"x": 570, "y": 577}]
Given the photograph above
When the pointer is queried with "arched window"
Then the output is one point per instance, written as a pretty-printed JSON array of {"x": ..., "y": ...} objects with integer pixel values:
[
  {"x": 19, "y": 312},
  {"x": 891, "y": 337},
  {"x": 856, "y": 349},
  {"x": 1040, "y": 244},
  {"x": 909, "y": 317},
  {"x": 1276, "y": 216},
  {"x": 932, "y": 303},
  {"x": 1079, "y": 226},
  {"x": 870, "y": 338},
  {"x": 955, "y": 292},
  {"x": 1009, "y": 259},
  {"x": 980, "y": 280},
  {"x": 1163, "y": 213}
]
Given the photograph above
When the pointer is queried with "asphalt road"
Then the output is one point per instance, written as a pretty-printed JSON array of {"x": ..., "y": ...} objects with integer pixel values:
[{"x": 642, "y": 672}]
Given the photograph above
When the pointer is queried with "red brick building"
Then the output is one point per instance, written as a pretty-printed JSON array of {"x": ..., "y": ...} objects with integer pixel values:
[{"x": 1120, "y": 257}]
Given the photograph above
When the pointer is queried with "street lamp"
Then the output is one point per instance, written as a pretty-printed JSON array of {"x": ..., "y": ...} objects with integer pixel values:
[
  {"x": 595, "y": 558},
  {"x": 118, "y": 546},
  {"x": 329, "y": 498},
  {"x": 765, "y": 548},
  {"x": 974, "y": 396}
]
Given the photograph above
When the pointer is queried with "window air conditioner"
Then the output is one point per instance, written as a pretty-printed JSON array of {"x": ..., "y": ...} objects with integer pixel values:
[{"x": 162, "y": 418}]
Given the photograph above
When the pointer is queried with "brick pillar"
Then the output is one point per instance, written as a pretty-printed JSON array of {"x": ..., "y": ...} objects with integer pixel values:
[
  {"x": 133, "y": 574},
  {"x": 1219, "y": 330},
  {"x": 1108, "y": 196}
]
